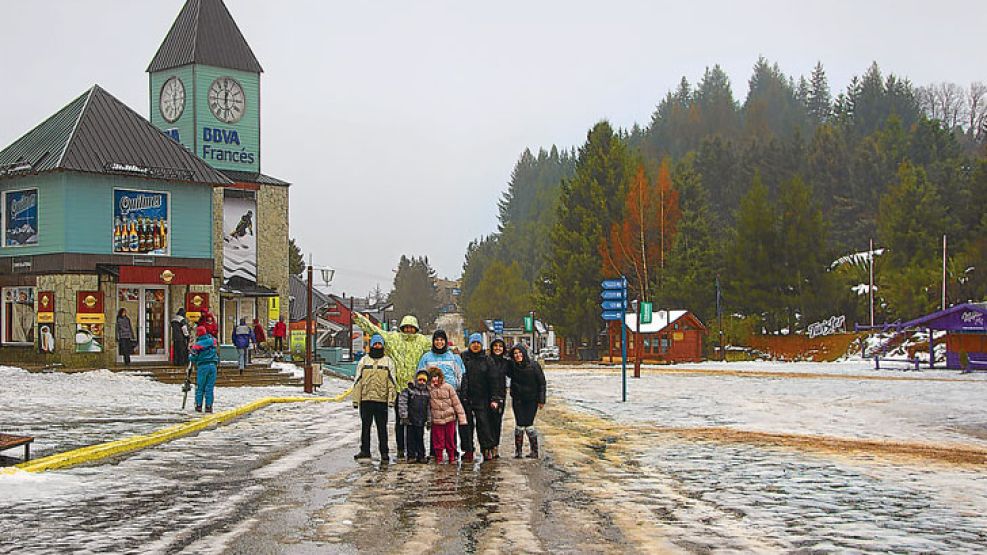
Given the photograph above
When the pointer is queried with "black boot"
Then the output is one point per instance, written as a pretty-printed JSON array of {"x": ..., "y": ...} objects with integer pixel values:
[
  {"x": 533, "y": 438},
  {"x": 518, "y": 442}
]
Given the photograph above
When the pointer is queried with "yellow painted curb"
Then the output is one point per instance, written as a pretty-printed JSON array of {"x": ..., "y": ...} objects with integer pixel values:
[{"x": 101, "y": 451}]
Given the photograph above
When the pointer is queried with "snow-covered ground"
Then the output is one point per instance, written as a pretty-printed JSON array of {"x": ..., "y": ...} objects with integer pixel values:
[
  {"x": 65, "y": 411},
  {"x": 931, "y": 406},
  {"x": 719, "y": 492}
]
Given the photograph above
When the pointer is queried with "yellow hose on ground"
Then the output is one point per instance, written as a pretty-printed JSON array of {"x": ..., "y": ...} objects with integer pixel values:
[{"x": 92, "y": 453}]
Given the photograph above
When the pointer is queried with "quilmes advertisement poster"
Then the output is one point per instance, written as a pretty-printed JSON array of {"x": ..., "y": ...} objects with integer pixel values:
[
  {"x": 140, "y": 222},
  {"x": 20, "y": 218},
  {"x": 239, "y": 238}
]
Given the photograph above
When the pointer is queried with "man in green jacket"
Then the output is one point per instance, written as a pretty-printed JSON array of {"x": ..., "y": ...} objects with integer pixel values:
[{"x": 405, "y": 348}]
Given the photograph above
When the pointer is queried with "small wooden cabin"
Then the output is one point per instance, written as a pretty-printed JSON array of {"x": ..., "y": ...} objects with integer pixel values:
[{"x": 672, "y": 336}]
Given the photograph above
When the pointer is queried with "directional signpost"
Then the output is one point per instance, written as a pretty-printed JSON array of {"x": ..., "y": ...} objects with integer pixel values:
[
  {"x": 498, "y": 327},
  {"x": 614, "y": 307}
]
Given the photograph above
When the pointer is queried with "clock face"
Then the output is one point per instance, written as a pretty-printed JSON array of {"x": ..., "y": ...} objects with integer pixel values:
[
  {"x": 226, "y": 100},
  {"x": 172, "y": 101}
]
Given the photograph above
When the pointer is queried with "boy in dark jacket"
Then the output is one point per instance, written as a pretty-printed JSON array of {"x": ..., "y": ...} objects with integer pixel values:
[{"x": 415, "y": 415}]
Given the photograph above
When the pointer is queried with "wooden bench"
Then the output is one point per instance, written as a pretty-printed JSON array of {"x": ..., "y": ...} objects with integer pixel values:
[{"x": 8, "y": 441}]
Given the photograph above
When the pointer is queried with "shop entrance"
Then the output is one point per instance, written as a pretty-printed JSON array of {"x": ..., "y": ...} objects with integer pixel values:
[{"x": 148, "y": 310}]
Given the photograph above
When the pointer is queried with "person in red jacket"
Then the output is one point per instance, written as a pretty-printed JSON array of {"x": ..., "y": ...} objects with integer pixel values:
[
  {"x": 259, "y": 336},
  {"x": 279, "y": 332},
  {"x": 208, "y": 321}
]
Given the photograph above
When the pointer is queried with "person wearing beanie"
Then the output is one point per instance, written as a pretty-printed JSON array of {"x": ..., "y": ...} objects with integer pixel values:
[
  {"x": 498, "y": 395},
  {"x": 415, "y": 413},
  {"x": 527, "y": 396},
  {"x": 373, "y": 392},
  {"x": 205, "y": 354},
  {"x": 476, "y": 393},
  {"x": 405, "y": 348}
]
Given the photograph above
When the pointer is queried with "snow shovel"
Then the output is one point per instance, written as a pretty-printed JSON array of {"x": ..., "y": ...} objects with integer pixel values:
[{"x": 187, "y": 386}]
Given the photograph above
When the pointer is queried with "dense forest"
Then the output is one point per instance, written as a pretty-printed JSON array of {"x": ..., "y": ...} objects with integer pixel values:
[{"x": 777, "y": 197}]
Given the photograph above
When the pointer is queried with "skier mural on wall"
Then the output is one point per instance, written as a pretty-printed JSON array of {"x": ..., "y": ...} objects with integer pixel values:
[{"x": 239, "y": 236}]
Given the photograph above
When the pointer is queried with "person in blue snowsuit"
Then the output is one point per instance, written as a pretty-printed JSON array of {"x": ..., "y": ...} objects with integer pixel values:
[
  {"x": 442, "y": 358},
  {"x": 205, "y": 355},
  {"x": 243, "y": 336}
]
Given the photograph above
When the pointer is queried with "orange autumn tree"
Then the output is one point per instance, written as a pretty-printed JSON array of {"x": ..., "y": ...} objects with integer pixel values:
[{"x": 638, "y": 245}]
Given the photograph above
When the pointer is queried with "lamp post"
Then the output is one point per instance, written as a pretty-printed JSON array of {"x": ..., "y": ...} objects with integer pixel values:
[{"x": 327, "y": 275}]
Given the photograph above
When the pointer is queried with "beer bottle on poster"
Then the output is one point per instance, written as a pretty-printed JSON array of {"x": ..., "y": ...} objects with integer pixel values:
[
  {"x": 117, "y": 236},
  {"x": 156, "y": 233},
  {"x": 145, "y": 237},
  {"x": 164, "y": 235},
  {"x": 134, "y": 239}
]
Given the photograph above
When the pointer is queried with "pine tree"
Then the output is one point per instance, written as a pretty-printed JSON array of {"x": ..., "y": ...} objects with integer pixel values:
[
  {"x": 414, "y": 290},
  {"x": 693, "y": 261},
  {"x": 296, "y": 262},
  {"x": 501, "y": 294},
  {"x": 569, "y": 289},
  {"x": 819, "y": 100},
  {"x": 804, "y": 254}
]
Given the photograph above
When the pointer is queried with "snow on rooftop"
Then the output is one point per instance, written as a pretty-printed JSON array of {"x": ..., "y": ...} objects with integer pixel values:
[{"x": 660, "y": 319}]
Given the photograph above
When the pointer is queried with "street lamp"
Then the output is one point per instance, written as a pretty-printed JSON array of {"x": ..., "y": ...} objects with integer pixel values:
[{"x": 327, "y": 275}]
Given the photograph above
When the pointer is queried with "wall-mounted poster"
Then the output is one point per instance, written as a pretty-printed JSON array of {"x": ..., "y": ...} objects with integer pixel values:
[
  {"x": 141, "y": 222},
  {"x": 239, "y": 236},
  {"x": 20, "y": 218},
  {"x": 89, "y": 338}
]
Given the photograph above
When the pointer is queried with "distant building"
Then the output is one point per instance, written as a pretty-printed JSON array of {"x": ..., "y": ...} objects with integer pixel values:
[
  {"x": 671, "y": 336},
  {"x": 449, "y": 292}
]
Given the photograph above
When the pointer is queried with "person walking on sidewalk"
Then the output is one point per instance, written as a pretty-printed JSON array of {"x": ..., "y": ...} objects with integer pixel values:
[
  {"x": 405, "y": 348},
  {"x": 446, "y": 412},
  {"x": 179, "y": 338},
  {"x": 415, "y": 414},
  {"x": 499, "y": 364},
  {"x": 373, "y": 392},
  {"x": 279, "y": 332},
  {"x": 205, "y": 355},
  {"x": 125, "y": 335},
  {"x": 527, "y": 396},
  {"x": 243, "y": 336},
  {"x": 477, "y": 396}
]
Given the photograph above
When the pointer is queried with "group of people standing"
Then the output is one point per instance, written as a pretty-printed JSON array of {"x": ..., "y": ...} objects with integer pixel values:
[{"x": 430, "y": 387}]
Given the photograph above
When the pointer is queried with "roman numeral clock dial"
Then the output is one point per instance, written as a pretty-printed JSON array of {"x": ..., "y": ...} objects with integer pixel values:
[
  {"x": 172, "y": 100},
  {"x": 226, "y": 100}
]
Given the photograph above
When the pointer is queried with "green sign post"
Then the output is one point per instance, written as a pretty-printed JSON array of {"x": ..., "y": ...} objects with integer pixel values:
[
  {"x": 646, "y": 309},
  {"x": 529, "y": 323}
]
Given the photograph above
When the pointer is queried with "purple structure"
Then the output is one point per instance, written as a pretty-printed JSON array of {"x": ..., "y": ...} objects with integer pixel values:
[{"x": 966, "y": 332}]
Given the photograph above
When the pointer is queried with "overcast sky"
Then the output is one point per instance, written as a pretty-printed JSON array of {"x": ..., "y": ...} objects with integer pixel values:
[{"x": 399, "y": 122}]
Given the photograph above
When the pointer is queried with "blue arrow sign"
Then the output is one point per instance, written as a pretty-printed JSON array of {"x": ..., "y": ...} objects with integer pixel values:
[
  {"x": 613, "y": 314},
  {"x": 612, "y": 294},
  {"x": 498, "y": 327},
  {"x": 614, "y": 305},
  {"x": 613, "y": 284}
]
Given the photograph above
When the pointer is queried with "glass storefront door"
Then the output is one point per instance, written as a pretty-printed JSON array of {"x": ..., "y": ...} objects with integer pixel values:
[{"x": 148, "y": 311}]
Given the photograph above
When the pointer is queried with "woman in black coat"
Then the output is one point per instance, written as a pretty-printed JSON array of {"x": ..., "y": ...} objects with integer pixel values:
[
  {"x": 126, "y": 338},
  {"x": 499, "y": 366},
  {"x": 527, "y": 396},
  {"x": 179, "y": 337}
]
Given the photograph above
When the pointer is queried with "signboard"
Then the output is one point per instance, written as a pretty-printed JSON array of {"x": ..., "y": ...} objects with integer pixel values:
[
  {"x": 89, "y": 307},
  {"x": 613, "y": 314},
  {"x": 89, "y": 338},
  {"x": 20, "y": 218},
  {"x": 614, "y": 305},
  {"x": 141, "y": 223},
  {"x": 46, "y": 307},
  {"x": 833, "y": 324},
  {"x": 646, "y": 312},
  {"x": 529, "y": 324},
  {"x": 239, "y": 238},
  {"x": 612, "y": 294},
  {"x": 498, "y": 326},
  {"x": 615, "y": 284},
  {"x": 296, "y": 342},
  {"x": 678, "y": 336},
  {"x": 274, "y": 309}
]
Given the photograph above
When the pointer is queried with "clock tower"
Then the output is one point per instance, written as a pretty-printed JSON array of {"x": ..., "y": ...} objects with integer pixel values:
[{"x": 205, "y": 88}]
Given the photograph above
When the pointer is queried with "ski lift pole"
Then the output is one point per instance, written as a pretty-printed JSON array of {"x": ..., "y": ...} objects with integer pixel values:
[{"x": 623, "y": 344}]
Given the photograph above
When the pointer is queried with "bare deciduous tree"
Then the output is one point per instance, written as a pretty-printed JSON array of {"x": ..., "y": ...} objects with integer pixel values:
[{"x": 976, "y": 106}]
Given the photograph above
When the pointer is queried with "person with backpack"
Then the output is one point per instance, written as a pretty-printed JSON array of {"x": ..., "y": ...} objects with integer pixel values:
[
  {"x": 205, "y": 355},
  {"x": 373, "y": 392},
  {"x": 243, "y": 336},
  {"x": 279, "y": 332}
]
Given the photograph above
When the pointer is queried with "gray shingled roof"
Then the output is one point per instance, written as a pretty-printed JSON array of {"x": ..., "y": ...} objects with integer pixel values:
[
  {"x": 97, "y": 133},
  {"x": 204, "y": 33},
  {"x": 253, "y": 177}
]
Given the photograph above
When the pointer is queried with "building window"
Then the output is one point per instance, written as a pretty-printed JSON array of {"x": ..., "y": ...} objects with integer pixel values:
[
  {"x": 665, "y": 344},
  {"x": 18, "y": 315}
]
